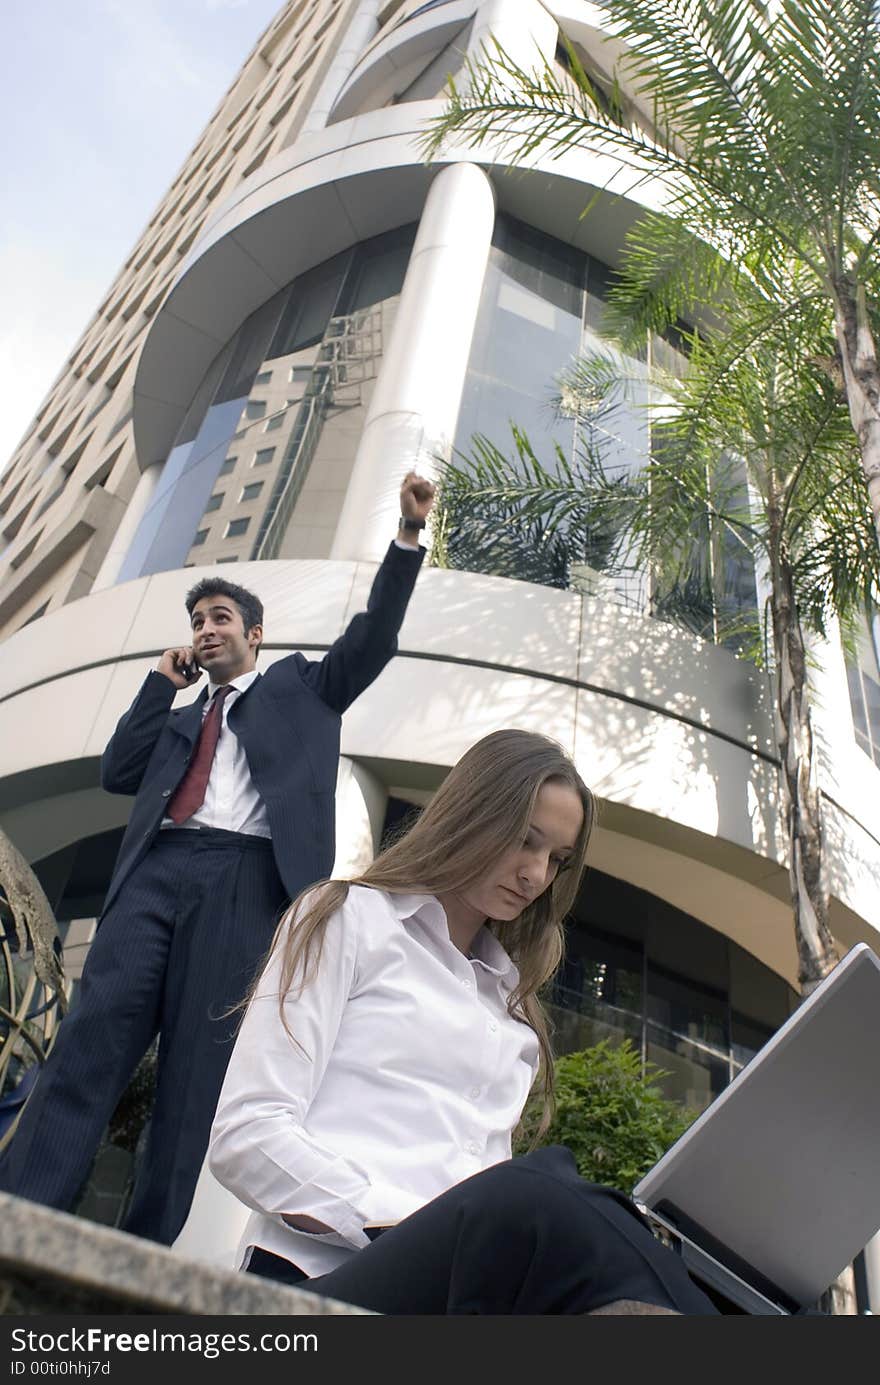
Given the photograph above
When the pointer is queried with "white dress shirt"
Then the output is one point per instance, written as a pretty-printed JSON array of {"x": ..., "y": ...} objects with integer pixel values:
[
  {"x": 408, "y": 1076},
  {"x": 231, "y": 799}
]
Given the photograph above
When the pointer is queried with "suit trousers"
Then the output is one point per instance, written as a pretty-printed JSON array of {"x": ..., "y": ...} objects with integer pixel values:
[
  {"x": 176, "y": 951},
  {"x": 526, "y": 1236}
]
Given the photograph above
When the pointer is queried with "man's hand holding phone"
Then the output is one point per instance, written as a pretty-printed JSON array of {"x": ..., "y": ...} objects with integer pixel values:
[{"x": 179, "y": 665}]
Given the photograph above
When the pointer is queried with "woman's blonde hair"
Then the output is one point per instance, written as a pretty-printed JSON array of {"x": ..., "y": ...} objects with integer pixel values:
[{"x": 482, "y": 809}]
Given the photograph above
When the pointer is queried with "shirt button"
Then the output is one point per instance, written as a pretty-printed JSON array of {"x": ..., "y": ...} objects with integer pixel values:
[
  {"x": 492, "y": 1026},
  {"x": 166, "y": 793},
  {"x": 475, "y": 1092},
  {"x": 473, "y": 1147}
]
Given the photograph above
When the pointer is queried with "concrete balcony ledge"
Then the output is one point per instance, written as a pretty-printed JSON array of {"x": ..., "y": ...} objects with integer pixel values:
[{"x": 51, "y": 1262}]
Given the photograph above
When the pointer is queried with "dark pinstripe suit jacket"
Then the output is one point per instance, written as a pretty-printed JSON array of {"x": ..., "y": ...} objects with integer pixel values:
[{"x": 288, "y": 721}]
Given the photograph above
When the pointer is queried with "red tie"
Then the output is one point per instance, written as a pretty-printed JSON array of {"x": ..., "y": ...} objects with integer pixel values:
[{"x": 189, "y": 795}]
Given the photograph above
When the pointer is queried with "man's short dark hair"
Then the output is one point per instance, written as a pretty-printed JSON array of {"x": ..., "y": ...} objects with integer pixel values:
[{"x": 250, "y": 607}]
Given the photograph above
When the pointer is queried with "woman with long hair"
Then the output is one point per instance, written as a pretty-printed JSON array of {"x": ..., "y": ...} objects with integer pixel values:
[{"x": 386, "y": 1054}]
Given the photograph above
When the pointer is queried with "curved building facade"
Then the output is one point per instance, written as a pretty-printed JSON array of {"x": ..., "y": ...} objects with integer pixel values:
[{"x": 311, "y": 312}]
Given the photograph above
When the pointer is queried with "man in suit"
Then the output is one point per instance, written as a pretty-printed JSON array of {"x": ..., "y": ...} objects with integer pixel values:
[{"x": 233, "y": 815}]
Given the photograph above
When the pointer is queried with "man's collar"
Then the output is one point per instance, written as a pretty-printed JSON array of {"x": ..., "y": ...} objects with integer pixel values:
[{"x": 240, "y": 683}]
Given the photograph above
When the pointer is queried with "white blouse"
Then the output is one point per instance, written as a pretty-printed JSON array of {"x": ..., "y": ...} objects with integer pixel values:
[{"x": 408, "y": 1076}]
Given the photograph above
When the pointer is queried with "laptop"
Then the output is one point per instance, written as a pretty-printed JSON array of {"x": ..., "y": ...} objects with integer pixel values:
[{"x": 775, "y": 1188}]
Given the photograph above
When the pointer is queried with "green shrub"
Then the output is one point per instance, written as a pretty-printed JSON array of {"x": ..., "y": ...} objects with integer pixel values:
[{"x": 614, "y": 1119}]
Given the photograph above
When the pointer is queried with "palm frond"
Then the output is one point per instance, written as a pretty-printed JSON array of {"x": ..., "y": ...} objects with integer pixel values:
[{"x": 760, "y": 121}]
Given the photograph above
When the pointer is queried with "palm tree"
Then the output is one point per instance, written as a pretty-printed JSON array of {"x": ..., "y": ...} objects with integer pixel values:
[
  {"x": 761, "y": 121},
  {"x": 766, "y": 468}
]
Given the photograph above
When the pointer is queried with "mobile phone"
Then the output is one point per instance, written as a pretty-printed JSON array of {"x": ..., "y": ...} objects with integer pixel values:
[{"x": 189, "y": 671}]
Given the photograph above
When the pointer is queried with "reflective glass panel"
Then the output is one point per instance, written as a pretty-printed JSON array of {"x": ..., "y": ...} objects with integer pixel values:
[
  {"x": 863, "y": 676},
  {"x": 281, "y": 378},
  {"x": 693, "y": 1074},
  {"x": 544, "y": 305},
  {"x": 528, "y": 329},
  {"x": 692, "y": 1002},
  {"x": 541, "y": 308}
]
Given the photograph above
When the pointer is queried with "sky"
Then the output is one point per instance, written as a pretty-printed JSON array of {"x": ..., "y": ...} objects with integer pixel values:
[{"x": 100, "y": 103}]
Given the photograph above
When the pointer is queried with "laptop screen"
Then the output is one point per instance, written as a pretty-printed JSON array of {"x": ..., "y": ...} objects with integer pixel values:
[{"x": 783, "y": 1169}]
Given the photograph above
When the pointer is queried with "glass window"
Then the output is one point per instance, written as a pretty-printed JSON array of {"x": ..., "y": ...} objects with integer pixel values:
[
  {"x": 378, "y": 271},
  {"x": 736, "y": 588},
  {"x": 200, "y": 536},
  {"x": 624, "y": 436},
  {"x": 721, "y": 585},
  {"x": 687, "y": 980},
  {"x": 758, "y": 997},
  {"x": 600, "y": 969},
  {"x": 228, "y": 558},
  {"x": 203, "y": 399},
  {"x": 528, "y": 330},
  {"x": 164, "y": 535},
  {"x": 238, "y": 398},
  {"x": 669, "y": 351},
  {"x": 539, "y": 297},
  {"x": 542, "y": 307},
  {"x": 691, "y": 1001},
  {"x": 310, "y": 307},
  {"x": 249, "y": 350},
  {"x": 872, "y": 703},
  {"x": 863, "y": 677},
  {"x": 236, "y": 527},
  {"x": 688, "y": 1008},
  {"x": 857, "y": 702},
  {"x": 600, "y": 278},
  {"x": 548, "y": 268},
  {"x": 279, "y": 419},
  {"x": 251, "y": 490},
  {"x": 214, "y": 502},
  {"x": 597, "y": 994},
  {"x": 695, "y": 1074}
]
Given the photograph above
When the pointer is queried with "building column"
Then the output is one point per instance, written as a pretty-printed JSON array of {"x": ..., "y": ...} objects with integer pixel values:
[
  {"x": 360, "y": 32},
  {"x": 830, "y": 700},
  {"x": 829, "y": 679},
  {"x": 361, "y": 801},
  {"x": 523, "y": 28},
  {"x": 414, "y": 409},
  {"x": 217, "y": 1219},
  {"x": 134, "y": 512}
]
